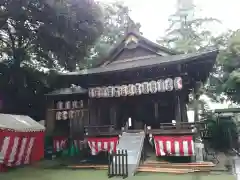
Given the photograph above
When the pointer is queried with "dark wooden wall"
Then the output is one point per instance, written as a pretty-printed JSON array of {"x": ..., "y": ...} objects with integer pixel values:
[
  {"x": 71, "y": 126},
  {"x": 148, "y": 109}
]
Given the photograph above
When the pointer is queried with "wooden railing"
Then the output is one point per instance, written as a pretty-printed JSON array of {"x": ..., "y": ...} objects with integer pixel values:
[
  {"x": 164, "y": 128},
  {"x": 181, "y": 125},
  {"x": 178, "y": 128},
  {"x": 100, "y": 130}
]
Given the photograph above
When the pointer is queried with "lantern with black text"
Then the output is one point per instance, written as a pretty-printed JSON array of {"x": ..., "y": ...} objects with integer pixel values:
[
  {"x": 104, "y": 92},
  {"x": 71, "y": 114},
  {"x": 74, "y": 104},
  {"x": 178, "y": 83},
  {"x": 145, "y": 88},
  {"x": 91, "y": 92},
  {"x": 161, "y": 86},
  {"x": 77, "y": 113},
  {"x": 59, "y": 105},
  {"x": 138, "y": 87},
  {"x": 64, "y": 115},
  {"x": 101, "y": 92},
  {"x": 117, "y": 91},
  {"x": 81, "y": 103},
  {"x": 131, "y": 89},
  {"x": 68, "y": 105},
  {"x": 110, "y": 91},
  {"x": 97, "y": 92},
  {"x": 153, "y": 86},
  {"x": 124, "y": 90},
  {"x": 58, "y": 115},
  {"x": 169, "y": 84}
]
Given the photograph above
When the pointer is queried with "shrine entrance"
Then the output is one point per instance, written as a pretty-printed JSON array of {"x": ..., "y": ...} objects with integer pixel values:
[
  {"x": 143, "y": 110},
  {"x": 135, "y": 113}
]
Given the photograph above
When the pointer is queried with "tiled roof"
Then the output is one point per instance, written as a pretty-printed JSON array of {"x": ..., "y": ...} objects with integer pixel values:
[{"x": 148, "y": 62}]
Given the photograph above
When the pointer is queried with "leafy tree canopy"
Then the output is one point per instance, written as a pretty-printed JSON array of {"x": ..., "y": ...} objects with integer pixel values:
[
  {"x": 48, "y": 33},
  {"x": 42, "y": 34},
  {"x": 116, "y": 22},
  {"x": 188, "y": 33},
  {"x": 228, "y": 79}
]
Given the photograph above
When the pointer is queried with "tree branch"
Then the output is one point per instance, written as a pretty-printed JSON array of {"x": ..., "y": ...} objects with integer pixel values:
[{"x": 11, "y": 39}]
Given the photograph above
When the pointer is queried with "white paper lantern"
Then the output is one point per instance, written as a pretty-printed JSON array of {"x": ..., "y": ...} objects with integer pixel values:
[
  {"x": 58, "y": 115},
  {"x": 93, "y": 93},
  {"x": 101, "y": 92},
  {"x": 134, "y": 89},
  {"x": 90, "y": 92},
  {"x": 71, "y": 114},
  {"x": 68, "y": 105},
  {"x": 117, "y": 91},
  {"x": 138, "y": 89},
  {"x": 104, "y": 92},
  {"x": 97, "y": 92},
  {"x": 74, "y": 104},
  {"x": 153, "y": 87},
  {"x": 64, "y": 115},
  {"x": 59, "y": 105},
  {"x": 99, "y": 89},
  {"x": 178, "y": 83},
  {"x": 124, "y": 90},
  {"x": 77, "y": 113},
  {"x": 161, "y": 86},
  {"x": 80, "y": 103},
  {"x": 110, "y": 91},
  {"x": 169, "y": 84},
  {"x": 145, "y": 88},
  {"x": 131, "y": 88}
]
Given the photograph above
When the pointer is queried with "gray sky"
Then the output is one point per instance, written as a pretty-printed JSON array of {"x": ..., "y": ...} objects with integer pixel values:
[{"x": 153, "y": 14}]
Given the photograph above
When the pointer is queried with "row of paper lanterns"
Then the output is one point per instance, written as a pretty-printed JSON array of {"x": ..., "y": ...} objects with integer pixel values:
[
  {"x": 65, "y": 115},
  {"x": 161, "y": 85},
  {"x": 69, "y": 104}
]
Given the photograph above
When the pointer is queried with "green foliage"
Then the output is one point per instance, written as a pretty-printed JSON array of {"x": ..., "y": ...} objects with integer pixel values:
[
  {"x": 188, "y": 33},
  {"x": 223, "y": 131},
  {"x": 48, "y": 33},
  {"x": 116, "y": 21},
  {"x": 38, "y": 35},
  {"x": 228, "y": 80}
]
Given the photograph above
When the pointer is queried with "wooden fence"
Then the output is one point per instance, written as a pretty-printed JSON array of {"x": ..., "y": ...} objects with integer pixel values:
[{"x": 118, "y": 164}]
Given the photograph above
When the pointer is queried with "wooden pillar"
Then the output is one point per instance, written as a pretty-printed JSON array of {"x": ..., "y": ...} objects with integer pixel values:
[
  {"x": 183, "y": 108},
  {"x": 92, "y": 112},
  {"x": 196, "y": 110},
  {"x": 196, "y": 101},
  {"x": 178, "y": 111},
  {"x": 156, "y": 110},
  {"x": 113, "y": 116},
  {"x": 50, "y": 118}
]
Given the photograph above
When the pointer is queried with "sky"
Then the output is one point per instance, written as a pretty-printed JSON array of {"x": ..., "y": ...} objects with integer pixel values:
[{"x": 153, "y": 14}]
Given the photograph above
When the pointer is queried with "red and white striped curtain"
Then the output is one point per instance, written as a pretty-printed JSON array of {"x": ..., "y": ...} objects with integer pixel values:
[
  {"x": 20, "y": 148},
  {"x": 98, "y": 144},
  {"x": 174, "y": 145}
]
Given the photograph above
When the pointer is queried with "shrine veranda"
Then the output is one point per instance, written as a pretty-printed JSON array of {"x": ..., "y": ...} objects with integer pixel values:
[{"x": 139, "y": 80}]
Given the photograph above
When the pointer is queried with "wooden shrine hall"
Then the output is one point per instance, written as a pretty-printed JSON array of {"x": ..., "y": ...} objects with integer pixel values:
[{"x": 140, "y": 86}]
